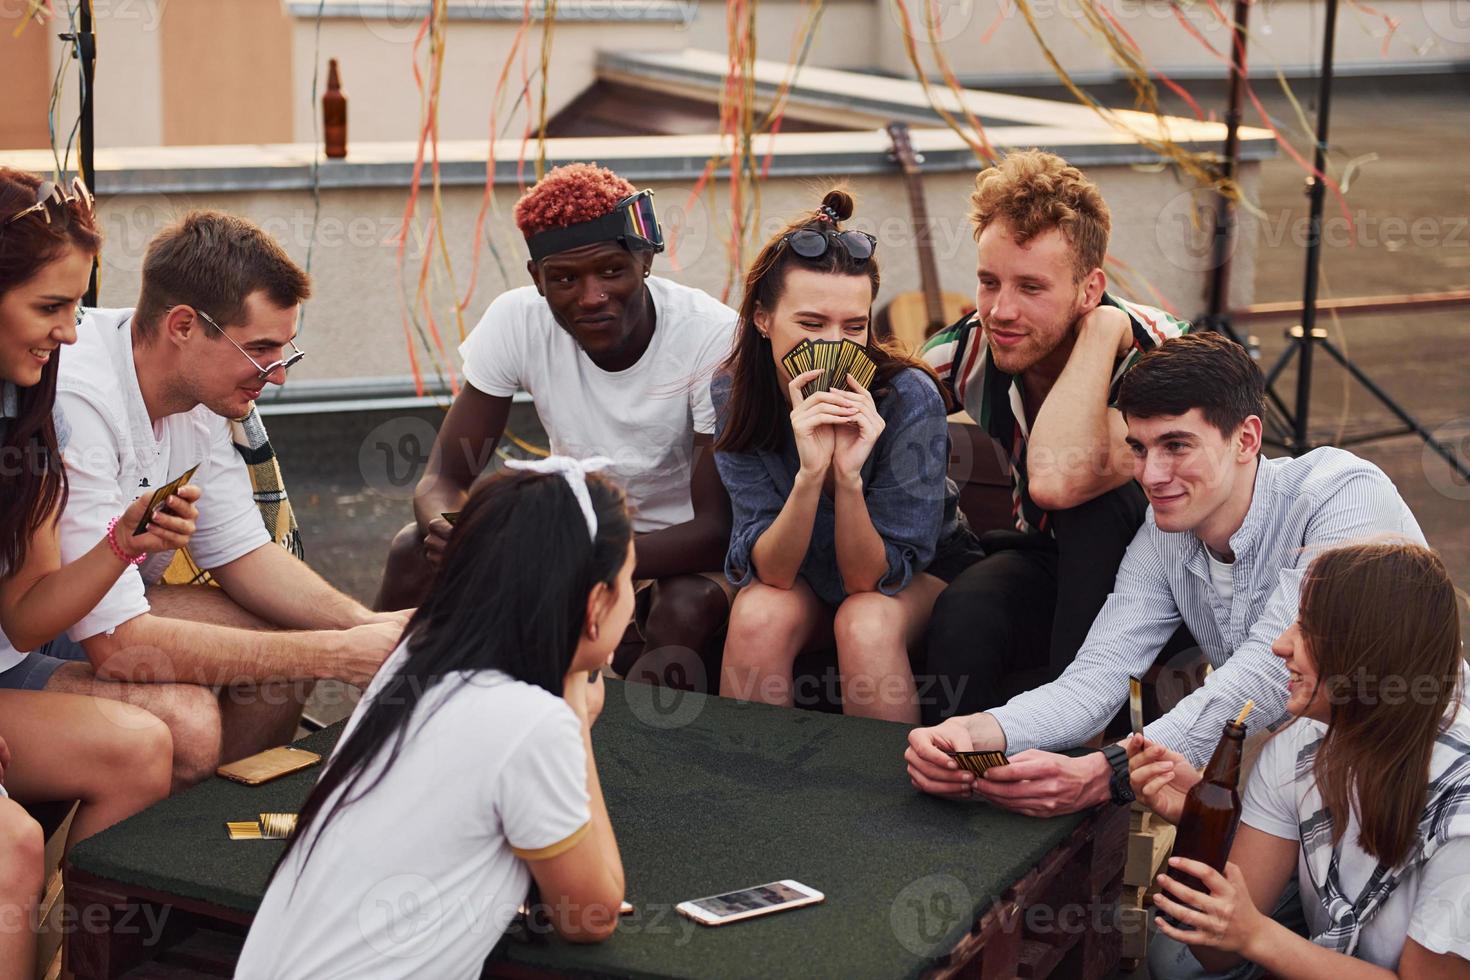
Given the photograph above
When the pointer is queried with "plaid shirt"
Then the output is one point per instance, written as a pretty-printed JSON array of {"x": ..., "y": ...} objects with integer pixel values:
[
  {"x": 1446, "y": 817},
  {"x": 993, "y": 398}
]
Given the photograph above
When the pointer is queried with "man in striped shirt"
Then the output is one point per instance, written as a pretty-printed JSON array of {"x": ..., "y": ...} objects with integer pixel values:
[
  {"x": 1038, "y": 367},
  {"x": 1227, "y": 540}
]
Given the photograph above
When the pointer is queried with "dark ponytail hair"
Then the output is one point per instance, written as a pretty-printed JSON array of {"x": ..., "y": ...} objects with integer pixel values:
[
  {"x": 758, "y": 418},
  {"x": 510, "y": 595},
  {"x": 32, "y": 481}
]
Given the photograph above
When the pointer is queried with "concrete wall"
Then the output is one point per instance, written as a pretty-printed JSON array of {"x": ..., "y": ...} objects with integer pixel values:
[
  {"x": 129, "y": 102},
  {"x": 24, "y": 78},
  {"x": 167, "y": 76},
  {"x": 989, "y": 41},
  {"x": 226, "y": 68},
  {"x": 376, "y": 58},
  {"x": 354, "y": 327}
]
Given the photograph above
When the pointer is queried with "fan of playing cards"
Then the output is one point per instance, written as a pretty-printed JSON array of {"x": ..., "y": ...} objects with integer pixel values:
[{"x": 836, "y": 359}]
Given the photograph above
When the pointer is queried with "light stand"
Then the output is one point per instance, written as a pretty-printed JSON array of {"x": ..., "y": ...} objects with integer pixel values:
[
  {"x": 85, "y": 50},
  {"x": 1304, "y": 339}
]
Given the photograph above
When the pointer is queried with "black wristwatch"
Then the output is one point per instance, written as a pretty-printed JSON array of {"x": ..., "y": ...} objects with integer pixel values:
[{"x": 1118, "y": 785}]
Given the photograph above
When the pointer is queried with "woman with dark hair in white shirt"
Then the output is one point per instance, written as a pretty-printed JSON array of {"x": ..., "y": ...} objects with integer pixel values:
[{"x": 486, "y": 709}]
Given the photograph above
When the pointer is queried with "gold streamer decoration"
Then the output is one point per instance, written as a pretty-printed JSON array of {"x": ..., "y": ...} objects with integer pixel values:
[{"x": 434, "y": 29}]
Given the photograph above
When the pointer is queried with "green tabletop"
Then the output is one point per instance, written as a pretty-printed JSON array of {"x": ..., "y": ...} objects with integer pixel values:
[{"x": 706, "y": 795}]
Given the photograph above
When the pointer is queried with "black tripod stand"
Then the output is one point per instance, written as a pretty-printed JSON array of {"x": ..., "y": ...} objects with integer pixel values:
[
  {"x": 1303, "y": 339},
  {"x": 84, "y": 49}
]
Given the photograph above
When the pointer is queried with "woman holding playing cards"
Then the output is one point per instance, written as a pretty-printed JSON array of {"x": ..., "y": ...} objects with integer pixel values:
[
  {"x": 115, "y": 758},
  {"x": 845, "y": 526},
  {"x": 1356, "y": 816}
]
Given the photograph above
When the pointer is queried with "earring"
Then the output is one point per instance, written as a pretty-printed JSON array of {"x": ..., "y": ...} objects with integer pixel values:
[{"x": 592, "y": 633}]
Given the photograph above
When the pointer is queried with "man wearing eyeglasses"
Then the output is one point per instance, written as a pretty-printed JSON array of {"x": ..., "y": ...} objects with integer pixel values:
[{"x": 148, "y": 394}]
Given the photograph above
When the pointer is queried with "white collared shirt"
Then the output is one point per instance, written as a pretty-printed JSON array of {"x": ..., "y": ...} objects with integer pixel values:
[{"x": 117, "y": 453}]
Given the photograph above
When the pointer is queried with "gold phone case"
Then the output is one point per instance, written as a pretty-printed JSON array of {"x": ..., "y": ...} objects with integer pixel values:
[
  {"x": 162, "y": 494},
  {"x": 270, "y": 764}
]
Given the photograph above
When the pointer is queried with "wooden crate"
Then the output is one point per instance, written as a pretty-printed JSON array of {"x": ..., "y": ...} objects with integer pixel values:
[
  {"x": 1150, "y": 840},
  {"x": 48, "y": 936}
]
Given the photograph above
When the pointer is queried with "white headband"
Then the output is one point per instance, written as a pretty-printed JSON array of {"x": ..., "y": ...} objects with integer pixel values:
[{"x": 574, "y": 471}]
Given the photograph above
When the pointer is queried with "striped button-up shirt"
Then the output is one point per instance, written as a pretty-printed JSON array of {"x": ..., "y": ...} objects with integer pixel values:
[
  {"x": 1299, "y": 507},
  {"x": 960, "y": 355}
]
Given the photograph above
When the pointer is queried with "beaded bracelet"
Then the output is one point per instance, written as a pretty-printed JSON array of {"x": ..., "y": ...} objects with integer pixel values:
[{"x": 117, "y": 549}]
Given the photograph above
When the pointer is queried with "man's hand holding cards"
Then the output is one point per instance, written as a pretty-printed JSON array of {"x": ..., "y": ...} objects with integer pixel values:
[
  {"x": 161, "y": 521},
  {"x": 944, "y": 761},
  {"x": 978, "y": 762}
]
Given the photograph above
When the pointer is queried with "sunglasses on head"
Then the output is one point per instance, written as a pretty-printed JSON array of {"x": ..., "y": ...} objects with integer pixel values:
[
  {"x": 809, "y": 243},
  {"x": 52, "y": 202}
]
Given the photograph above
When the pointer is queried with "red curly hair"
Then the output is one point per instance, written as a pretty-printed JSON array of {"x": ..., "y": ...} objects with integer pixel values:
[{"x": 569, "y": 195}]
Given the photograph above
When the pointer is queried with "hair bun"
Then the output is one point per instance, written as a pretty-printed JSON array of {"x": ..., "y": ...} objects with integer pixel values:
[{"x": 837, "y": 204}]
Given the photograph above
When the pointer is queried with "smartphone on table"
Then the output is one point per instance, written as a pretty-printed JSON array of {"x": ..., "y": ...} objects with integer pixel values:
[{"x": 747, "y": 903}]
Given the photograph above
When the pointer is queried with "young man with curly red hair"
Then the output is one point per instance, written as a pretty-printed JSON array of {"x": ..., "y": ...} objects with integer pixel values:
[
  {"x": 1038, "y": 366},
  {"x": 619, "y": 362}
]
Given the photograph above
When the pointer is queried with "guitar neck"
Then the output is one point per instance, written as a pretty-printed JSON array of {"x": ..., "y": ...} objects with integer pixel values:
[
  {"x": 903, "y": 151},
  {"x": 924, "y": 242}
]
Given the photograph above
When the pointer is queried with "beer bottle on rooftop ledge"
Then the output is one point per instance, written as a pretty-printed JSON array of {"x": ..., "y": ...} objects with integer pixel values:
[
  {"x": 1212, "y": 808},
  {"x": 334, "y": 114}
]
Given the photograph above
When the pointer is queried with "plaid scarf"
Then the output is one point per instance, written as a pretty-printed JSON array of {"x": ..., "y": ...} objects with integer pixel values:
[
  {"x": 1446, "y": 816},
  {"x": 253, "y": 445}
]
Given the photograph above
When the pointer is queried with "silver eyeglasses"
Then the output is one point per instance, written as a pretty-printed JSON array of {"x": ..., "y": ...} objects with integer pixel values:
[{"x": 263, "y": 373}]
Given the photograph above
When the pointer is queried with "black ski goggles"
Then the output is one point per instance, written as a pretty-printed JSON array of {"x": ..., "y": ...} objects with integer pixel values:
[
  {"x": 809, "y": 243},
  {"x": 632, "y": 224}
]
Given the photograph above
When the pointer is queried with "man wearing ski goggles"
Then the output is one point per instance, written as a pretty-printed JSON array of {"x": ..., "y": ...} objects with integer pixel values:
[{"x": 618, "y": 361}]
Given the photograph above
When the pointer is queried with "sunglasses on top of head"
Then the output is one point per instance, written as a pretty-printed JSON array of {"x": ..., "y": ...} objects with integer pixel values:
[
  {"x": 810, "y": 243},
  {"x": 53, "y": 202}
]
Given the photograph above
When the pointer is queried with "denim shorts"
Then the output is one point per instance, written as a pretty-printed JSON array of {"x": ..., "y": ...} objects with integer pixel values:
[{"x": 32, "y": 673}]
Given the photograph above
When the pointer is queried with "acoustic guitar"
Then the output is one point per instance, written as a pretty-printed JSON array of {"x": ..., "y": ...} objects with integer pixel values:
[{"x": 913, "y": 317}]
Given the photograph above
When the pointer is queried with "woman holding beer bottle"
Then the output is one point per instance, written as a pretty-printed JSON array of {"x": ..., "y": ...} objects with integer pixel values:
[{"x": 1363, "y": 798}]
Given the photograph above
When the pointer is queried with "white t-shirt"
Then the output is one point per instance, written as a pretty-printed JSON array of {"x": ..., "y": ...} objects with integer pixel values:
[
  {"x": 1428, "y": 905},
  {"x": 421, "y": 876},
  {"x": 643, "y": 418},
  {"x": 1222, "y": 577},
  {"x": 115, "y": 453}
]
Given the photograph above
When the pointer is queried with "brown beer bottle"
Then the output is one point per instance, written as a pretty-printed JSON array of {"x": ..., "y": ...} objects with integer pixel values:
[
  {"x": 334, "y": 114},
  {"x": 1212, "y": 808}
]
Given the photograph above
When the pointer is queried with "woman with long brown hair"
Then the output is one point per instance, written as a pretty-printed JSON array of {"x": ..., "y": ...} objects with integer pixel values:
[
  {"x": 846, "y": 525},
  {"x": 114, "y": 758},
  {"x": 1364, "y": 797}
]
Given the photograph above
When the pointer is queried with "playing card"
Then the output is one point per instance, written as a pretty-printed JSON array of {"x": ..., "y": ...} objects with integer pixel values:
[
  {"x": 160, "y": 495},
  {"x": 826, "y": 352},
  {"x": 844, "y": 360},
  {"x": 978, "y": 762},
  {"x": 797, "y": 359},
  {"x": 862, "y": 367}
]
